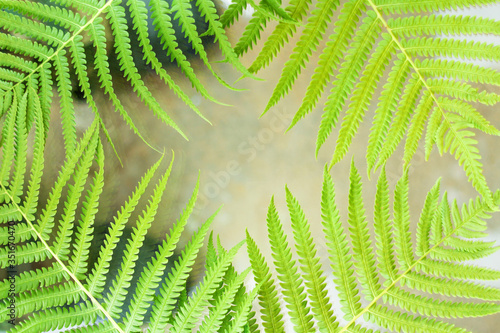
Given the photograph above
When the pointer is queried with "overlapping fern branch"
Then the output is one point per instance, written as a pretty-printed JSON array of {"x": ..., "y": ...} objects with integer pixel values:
[
  {"x": 42, "y": 37},
  {"x": 387, "y": 280},
  {"x": 428, "y": 81},
  {"x": 69, "y": 290}
]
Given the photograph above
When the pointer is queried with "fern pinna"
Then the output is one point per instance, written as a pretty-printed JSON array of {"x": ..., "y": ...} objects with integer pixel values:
[
  {"x": 427, "y": 74},
  {"x": 385, "y": 282},
  {"x": 69, "y": 290}
]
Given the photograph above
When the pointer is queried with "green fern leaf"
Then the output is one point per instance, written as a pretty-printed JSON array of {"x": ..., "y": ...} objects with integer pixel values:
[
  {"x": 401, "y": 119},
  {"x": 85, "y": 228},
  {"x": 116, "y": 15},
  {"x": 75, "y": 190},
  {"x": 345, "y": 80},
  {"x": 364, "y": 258},
  {"x": 207, "y": 9},
  {"x": 459, "y": 141},
  {"x": 393, "y": 277},
  {"x": 386, "y": 263},
  {"x": 42, "y": 37},
  {"x": 121, "y": 283},
  {"x": 217, "y": 313},
  {"x": 416, "y": 128},
  {"x": 71, "y": 289},
  {"x": 417, "y": 79}
]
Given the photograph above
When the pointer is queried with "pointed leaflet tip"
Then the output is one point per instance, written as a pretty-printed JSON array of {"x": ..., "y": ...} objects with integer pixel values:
[{"x": 263, "y": 113}]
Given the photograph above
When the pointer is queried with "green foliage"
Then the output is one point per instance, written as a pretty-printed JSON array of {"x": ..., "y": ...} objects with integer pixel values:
[
  {"x": 69, "y": 291},
  {"x": 42, "y": 44},
  {"x": 391, "y": 45},
  {"x": 50, "y": 37},
  {"x": 382, "y": 278}
]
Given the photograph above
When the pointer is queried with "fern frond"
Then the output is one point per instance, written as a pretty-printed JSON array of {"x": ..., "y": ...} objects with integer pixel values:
[
  {"x": 457, "y": 70},
  {"x": 382, "y": 226},
  {"x": 216, "y": 27},
  {"x": 75, "y": 190},
  {"x": 59, "y": 15},
  {"x": 469, "y": 114},
  {"x": 243, "y": 317},
  {"x": 329, "y": 60},
  {"x": 400, "y": 35},
  {"x": 45, "y": 94},
  {"x": 8, "y": 139},
  {"x": 451, "y": 48},
  {"x": 398, "y": 281},
  {"x": 237, "y": 302},
  {"x": 401, "y": 119},
  {"x": 46, "y": 220},
  {"x": 364, "y": 258},
  {"x": 21, "y": 148},
  {"x": 150, "y": 277},
  {"x": 44, "y": 320},
  {"x": 39, "y": 38},
  {"x": 96, "y": 279},
  {"x": 138, "y": 13},
  {"x": 19, "y": 25},
  {"x": 183, "y": 13},
  {"x": 84, "y": 233},
  {"x": 462, "y": 91},
  {"x": 121, "y": 283},
  {"x": 69, "y": 288},
  {"x": 217, "y": 313},
  {"x": 116, "y": 15}
]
